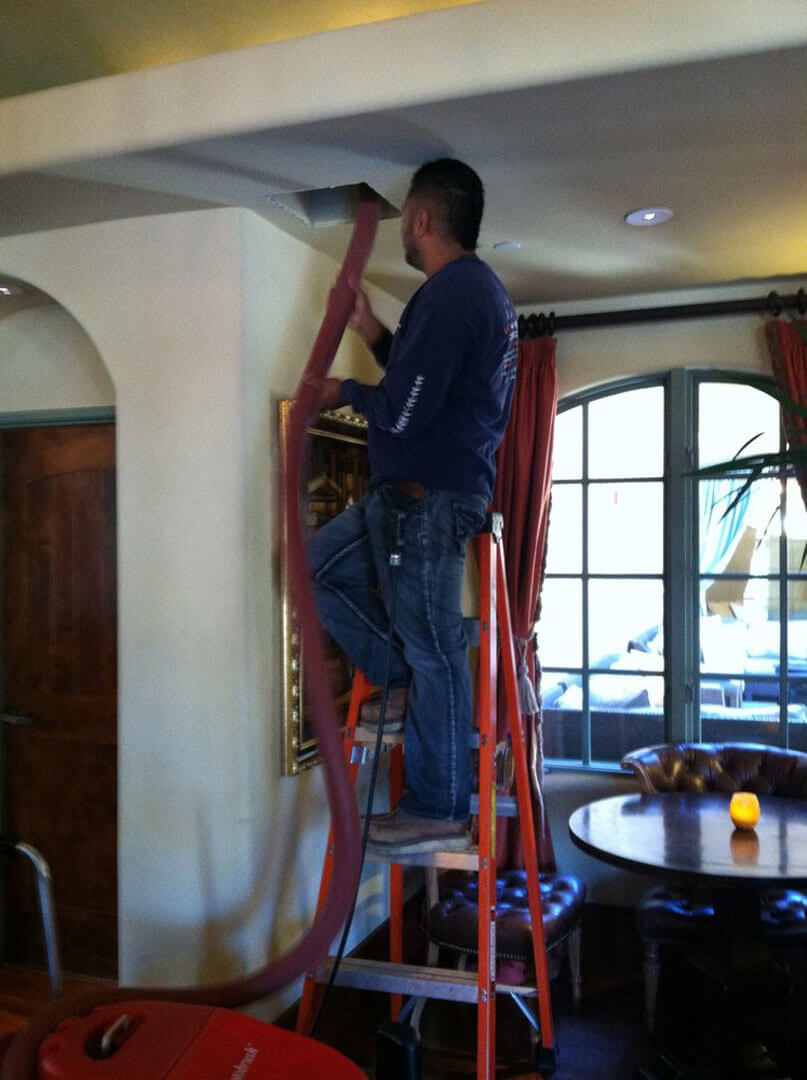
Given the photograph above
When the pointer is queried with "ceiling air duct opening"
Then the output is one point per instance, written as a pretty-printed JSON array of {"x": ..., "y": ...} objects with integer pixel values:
[{"x": 328, "y": 206}]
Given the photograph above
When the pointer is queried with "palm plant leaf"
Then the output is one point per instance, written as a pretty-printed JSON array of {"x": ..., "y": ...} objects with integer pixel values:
[{"x": 788, "y": 462}]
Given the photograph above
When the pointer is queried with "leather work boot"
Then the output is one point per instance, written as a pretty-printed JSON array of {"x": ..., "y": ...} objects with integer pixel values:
[
  {"x": 394, "y": 715},
  {"x": 399, "y": 832}
]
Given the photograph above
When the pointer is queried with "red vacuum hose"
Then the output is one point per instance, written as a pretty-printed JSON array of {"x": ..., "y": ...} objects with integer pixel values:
[{"x": 20, "y": 1062}]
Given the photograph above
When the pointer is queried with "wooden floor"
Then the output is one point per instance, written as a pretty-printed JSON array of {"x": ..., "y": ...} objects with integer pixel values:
[
  {"x": 605, "y": 1037},
  {"x": 23, "y": 992},
  {"x": 602, "y": 1039}
]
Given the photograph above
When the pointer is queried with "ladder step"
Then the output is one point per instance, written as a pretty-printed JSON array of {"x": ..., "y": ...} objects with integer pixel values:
[
  {"x": 365, "y": 735},
  {"x": 368, "y": 735},
  {"x": 444, "y": 860},
  {"x": 506, "y": 805},
  {"x": 411, "y": 980}
]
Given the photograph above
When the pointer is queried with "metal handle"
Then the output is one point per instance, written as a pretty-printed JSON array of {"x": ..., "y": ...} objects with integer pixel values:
[{"x": 47, "y": 910}]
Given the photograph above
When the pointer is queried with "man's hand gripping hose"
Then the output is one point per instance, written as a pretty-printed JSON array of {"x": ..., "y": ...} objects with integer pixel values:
[{"x": 20, "y": 1062}]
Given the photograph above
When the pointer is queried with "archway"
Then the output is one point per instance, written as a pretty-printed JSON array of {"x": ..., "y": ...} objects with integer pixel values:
[{"x": 59, "y": 628}]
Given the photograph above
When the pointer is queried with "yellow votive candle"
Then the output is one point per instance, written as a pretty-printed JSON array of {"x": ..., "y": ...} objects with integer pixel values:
[{"x": 744, "y": 809}]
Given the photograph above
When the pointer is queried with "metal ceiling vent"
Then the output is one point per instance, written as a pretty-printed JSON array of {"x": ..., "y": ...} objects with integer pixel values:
[{"x": 328, "y": 206}]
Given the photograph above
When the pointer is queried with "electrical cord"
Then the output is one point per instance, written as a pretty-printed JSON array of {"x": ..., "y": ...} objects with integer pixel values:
[{"x": 395, "y": 542}]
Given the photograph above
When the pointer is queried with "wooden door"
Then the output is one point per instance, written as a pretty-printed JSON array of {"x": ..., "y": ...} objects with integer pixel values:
[{"x": 59, "y": 736}]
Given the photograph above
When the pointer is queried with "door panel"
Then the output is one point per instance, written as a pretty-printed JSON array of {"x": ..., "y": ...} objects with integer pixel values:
[{"x": 60, "y": 669}]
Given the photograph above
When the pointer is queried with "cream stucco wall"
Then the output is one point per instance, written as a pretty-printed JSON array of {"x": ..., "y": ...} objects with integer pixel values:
[
  {"x": 47, "y": 361},
  {"x": 202, "y": 321}
]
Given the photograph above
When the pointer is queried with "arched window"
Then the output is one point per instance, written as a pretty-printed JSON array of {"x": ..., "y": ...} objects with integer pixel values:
[{"x": 671, "y": 609}]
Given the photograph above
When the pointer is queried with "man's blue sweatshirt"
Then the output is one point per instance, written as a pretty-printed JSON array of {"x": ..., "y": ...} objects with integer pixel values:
[{"x": 439, "y": 413}]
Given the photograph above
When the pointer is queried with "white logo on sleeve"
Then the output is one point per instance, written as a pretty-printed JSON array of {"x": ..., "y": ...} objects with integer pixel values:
[{"x": 409, "y": 407}]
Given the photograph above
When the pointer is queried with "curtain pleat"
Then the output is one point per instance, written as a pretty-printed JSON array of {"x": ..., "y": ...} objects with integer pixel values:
[
  {"x": 523, "y": 486},
  {"x": 788, "y": 353}
]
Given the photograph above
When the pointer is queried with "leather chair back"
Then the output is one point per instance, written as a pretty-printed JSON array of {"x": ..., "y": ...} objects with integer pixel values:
[{"x": 720, "y": 767}]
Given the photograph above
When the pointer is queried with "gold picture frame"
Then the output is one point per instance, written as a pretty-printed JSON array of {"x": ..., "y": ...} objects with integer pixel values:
[{"x": 337, "y": 474}]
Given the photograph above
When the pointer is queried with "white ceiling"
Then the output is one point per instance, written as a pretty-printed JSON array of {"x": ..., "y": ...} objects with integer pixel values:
[{"x": 722, "y": 141}]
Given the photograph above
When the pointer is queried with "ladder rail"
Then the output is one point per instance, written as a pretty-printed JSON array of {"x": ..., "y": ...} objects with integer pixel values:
[
  {"x": 486, "y": 905},
  {"x": 396, "y": 783},
  {"x": 312, "y": 992},
  {"x": 524, "y": 798}
]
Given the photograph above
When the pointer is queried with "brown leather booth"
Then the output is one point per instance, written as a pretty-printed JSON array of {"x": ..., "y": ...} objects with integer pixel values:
[{"x": 720, "y": 767}]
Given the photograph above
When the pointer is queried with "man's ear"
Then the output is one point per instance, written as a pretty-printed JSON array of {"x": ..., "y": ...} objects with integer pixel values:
[{"x": 422, "y": 222}]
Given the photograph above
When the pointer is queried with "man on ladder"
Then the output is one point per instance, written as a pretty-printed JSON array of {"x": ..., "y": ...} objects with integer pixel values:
[{"x": 435, "y": 422}]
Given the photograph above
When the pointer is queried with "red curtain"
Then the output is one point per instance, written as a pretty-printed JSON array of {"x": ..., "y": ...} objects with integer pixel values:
[
  {"x": 788, "y": 353},
  {"x": 523, "y": 485}
]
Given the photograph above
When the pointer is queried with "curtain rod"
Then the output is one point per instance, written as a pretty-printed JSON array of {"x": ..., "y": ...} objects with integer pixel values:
[{"x": 540, "y": 325}]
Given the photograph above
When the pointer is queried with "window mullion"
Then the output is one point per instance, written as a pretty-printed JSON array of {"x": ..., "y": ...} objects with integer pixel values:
[
  {"x": 681, "y": 563},
  {"x": 784, "y": 604},
  {"x": 585, "y": 714}
]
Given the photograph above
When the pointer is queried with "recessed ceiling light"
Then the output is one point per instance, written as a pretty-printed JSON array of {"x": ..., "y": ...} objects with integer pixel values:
[
  {"x": 507, "y": 245},
  {"x": 8, "y": 289},
  {"x": 648, "y": 215}
]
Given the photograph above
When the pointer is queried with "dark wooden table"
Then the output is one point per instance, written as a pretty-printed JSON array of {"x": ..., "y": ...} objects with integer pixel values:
[{"x": 691, "y": 837}]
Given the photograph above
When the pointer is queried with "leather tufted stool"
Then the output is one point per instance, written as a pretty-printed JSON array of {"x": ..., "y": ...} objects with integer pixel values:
[
  {"x": 784, "y": 917},
  {"x": 451, "y": 922},
  {"x": 669, "y": 916},
  {"x": 680, "y": 914}
]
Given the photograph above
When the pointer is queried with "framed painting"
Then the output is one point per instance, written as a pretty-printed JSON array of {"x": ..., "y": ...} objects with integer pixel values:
[{"x": 336, "y": 475}]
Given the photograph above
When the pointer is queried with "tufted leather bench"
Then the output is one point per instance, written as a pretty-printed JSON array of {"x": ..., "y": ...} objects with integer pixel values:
[
  {"x": 452, "y": 922},
  {"x": 720, "y": 767},
  {"x": 681, "y": 914}
]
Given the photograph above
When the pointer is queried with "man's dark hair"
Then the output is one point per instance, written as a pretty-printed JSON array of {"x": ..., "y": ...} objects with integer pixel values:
[{"x": 458, "y": 196}]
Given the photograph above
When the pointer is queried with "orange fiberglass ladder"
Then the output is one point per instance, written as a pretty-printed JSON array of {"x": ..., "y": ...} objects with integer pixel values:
[{"x": 480, "y": 988}]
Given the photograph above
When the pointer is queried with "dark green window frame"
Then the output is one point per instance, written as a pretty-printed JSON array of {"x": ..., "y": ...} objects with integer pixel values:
[{"x": 680, "y": 576}]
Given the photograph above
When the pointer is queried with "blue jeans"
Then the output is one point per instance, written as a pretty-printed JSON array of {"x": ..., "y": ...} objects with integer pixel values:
[{"x": 349, "y": 563}]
